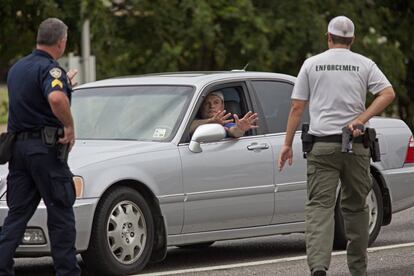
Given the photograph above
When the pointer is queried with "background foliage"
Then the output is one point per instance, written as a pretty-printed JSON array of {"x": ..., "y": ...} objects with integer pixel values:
[{"x": 143, "y": 36}]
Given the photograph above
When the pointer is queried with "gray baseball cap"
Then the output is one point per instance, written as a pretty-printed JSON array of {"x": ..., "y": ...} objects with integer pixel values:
[{"x": 341, "y": 26}]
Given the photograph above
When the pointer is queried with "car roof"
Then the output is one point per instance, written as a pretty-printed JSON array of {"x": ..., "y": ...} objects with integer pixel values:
[{"x": 185, "y": 78}]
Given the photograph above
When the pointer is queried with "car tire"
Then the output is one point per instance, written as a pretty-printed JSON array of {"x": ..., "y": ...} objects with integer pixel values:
[
  {"x": 122, "y": 235},
  {"x": 201, "y": 245},
  {"x": 376, "y": 213}
]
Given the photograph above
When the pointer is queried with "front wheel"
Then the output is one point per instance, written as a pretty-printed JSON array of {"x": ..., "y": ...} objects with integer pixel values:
[
  {"x": 376, "y": 213},
  {"x": 122, "y": 236}
]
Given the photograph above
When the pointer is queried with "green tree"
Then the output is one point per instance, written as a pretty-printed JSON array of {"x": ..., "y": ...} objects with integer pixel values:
[
  {"x": 20, "y": 20},
  {"x": 182, "y": 35},
  {"x": 398, "y": 19},
  {"x": 144, "y": 36}
]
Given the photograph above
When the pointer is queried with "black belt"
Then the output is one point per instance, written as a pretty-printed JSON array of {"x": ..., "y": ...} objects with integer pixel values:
[
  {"x": 29, "y": 135},
  {"x": 335, "y": 139}
]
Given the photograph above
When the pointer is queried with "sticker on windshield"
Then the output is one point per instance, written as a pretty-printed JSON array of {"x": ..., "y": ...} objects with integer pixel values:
[{"x": 159, "y": 133}]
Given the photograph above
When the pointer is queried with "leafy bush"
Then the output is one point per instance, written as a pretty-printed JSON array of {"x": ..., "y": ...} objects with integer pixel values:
[{"x": 4, "y": 101}]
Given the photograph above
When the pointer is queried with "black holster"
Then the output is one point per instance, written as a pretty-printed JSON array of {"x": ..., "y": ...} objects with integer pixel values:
[
  {"x": 50, "y": 137},
  {"x": 370, "y": 141},
  {"x": 7, "y": 140},
  {"x": 307, "y": 140}
]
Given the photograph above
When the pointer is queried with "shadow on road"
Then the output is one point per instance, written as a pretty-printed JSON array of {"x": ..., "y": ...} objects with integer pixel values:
[
  {"x": 238, "y": 251},
  {"x": 220, "y": 253}
]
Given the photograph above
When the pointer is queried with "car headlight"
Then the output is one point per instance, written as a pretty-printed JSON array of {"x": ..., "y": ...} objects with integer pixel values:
[{"x": 78, "y": 181}]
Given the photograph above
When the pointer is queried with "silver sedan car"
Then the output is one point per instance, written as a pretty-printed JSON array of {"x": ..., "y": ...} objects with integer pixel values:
[{"x": 144, "y": 183}]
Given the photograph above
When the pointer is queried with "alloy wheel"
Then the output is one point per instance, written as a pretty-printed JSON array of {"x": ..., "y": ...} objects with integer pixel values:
[
  {"x": 373, "y": 210},
  {"x": 126, "y": 232}
]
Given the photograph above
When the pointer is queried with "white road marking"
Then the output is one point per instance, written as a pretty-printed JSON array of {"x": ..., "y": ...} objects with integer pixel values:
[{"x": 273, "y": 261}]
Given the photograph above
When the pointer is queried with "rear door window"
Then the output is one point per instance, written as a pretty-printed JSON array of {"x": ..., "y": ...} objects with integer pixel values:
[{"x": 275, "y": 102}]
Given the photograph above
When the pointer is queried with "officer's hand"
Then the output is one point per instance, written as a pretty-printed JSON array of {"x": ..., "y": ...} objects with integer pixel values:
[
  {"x": 286, "y": 153},
  {"x": 71, "y": 76},
  {"x": 353, "y": 127},
  {"x": 69, "y": 137}
]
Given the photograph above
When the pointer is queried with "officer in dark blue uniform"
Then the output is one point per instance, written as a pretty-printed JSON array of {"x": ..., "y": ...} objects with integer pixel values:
[{"x": 39, "y": 105}]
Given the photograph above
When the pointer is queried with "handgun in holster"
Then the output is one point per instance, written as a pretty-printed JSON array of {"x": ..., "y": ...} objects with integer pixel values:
[
  {"x": 370, "y": 141},
  {"x": 62, "y": 149},
  {"x": 307, "y": 140}
]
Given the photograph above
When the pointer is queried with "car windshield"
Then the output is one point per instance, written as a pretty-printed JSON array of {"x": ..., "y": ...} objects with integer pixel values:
[{"x": 145, "y": 113}]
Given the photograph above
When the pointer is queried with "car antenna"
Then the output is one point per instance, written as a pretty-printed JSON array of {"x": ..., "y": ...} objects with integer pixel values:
[{"x": 241, "y": 70}]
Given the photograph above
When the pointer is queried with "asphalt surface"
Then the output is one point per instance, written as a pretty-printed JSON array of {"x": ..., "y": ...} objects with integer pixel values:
[{"x": 275, "y": 255}]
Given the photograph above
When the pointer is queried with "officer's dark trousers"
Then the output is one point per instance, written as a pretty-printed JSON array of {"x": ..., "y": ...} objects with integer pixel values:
[{"x": 35, "y": 173}]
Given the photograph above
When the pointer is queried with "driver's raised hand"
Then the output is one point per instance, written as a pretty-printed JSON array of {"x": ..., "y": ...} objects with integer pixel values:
[
  {"x": 221, "y": 117},
  {"x": 247, "y": 122}
]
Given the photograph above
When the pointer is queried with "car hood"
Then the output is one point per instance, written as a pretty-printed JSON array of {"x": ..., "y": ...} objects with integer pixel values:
[{"x": 86, "y": 152}]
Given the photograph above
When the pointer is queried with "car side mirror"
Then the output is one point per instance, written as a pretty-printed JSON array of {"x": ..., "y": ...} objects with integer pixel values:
[{"x": 204, "y": 134}]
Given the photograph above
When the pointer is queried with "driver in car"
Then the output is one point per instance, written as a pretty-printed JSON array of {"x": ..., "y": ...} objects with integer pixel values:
[{"x": 212, "y": 111}]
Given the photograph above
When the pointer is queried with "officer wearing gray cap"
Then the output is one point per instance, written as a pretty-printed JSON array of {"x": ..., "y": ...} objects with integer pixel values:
[{"x": 335, "y": 84}]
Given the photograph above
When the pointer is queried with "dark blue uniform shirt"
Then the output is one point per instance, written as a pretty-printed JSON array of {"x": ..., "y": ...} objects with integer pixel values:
[{"x": 29, "y": 82}]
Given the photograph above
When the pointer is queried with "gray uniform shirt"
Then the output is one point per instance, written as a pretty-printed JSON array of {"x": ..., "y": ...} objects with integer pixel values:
[{"x": 335, "y": 83}]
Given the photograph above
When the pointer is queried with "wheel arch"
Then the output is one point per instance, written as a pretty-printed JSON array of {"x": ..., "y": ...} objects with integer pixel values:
[
  {"x": 387, "y": 207},
  {"x": 159, "y": 250}
]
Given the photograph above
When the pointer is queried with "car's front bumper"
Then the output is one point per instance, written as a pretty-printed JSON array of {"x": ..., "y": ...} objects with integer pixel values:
[
  {"x": 84, "y": 210},
  {"x": 401, "y": 185}
]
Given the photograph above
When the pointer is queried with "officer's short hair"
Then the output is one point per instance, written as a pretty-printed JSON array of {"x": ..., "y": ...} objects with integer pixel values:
[
  {"x": 51, "y": 31},
  {"x": 341, "y": 40}
]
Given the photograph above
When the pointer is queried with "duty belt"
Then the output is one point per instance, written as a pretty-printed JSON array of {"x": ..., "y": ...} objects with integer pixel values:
[
  {"x": 335, "y": 139},
  {"x": 29, "y": 135}
]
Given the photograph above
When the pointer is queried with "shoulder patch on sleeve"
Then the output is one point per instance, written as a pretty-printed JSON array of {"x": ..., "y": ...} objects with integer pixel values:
[
  {"x": 57, "y": 82},
  {"x": 55, "y": 72}
]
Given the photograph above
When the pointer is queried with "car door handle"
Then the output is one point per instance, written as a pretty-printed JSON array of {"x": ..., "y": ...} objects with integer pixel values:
[{"x": 256, "y": 146}]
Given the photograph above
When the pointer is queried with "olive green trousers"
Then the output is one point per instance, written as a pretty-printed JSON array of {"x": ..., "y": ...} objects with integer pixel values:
[{"x": 326, "y": 165}]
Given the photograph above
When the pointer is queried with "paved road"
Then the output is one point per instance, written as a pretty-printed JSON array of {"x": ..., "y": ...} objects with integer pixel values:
[{"x": 273, "y": 255}]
